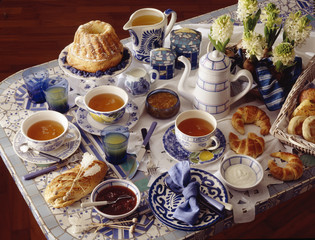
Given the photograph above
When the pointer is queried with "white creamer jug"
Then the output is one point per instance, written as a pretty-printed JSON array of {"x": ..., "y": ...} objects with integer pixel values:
[
  {"x": 212, "y": 92},
  {"x": 138, "y": 80}
]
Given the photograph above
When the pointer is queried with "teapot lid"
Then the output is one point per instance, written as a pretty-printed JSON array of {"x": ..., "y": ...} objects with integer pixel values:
[{"x": 215, "y": 60}]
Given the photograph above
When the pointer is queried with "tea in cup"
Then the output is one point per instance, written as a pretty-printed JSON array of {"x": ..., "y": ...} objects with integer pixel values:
[
  {"x": 138, "y": 80},
  {"x": 195, "y": 130},
  {"x": 106, "y": 104},
  {"x": 47, "y": 130}
]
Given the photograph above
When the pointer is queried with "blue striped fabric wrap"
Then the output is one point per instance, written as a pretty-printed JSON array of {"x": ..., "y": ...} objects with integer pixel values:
[{"x": 270, "y": 89}]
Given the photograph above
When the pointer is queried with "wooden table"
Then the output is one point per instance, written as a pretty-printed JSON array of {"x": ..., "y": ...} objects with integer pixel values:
[{"x": 35, "y": 32}]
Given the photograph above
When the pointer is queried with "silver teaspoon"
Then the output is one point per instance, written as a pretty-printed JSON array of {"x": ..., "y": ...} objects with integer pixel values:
[
  {"x": 25, "y": 148},
  {"x": 102, "y": 203}
]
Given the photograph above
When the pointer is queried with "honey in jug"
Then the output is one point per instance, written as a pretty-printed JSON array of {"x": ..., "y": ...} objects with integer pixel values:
[{"x": 146, "y": 20}]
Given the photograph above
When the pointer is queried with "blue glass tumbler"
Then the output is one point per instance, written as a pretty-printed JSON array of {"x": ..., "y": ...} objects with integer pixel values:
[{"x": 34, "y": 78}]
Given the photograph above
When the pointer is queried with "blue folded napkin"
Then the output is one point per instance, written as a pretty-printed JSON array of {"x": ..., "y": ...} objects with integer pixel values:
[{"x": 179, "y": 181}]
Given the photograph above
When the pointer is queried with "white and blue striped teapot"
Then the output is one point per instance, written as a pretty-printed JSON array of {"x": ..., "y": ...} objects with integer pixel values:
[{"x": 212, "y": 92}]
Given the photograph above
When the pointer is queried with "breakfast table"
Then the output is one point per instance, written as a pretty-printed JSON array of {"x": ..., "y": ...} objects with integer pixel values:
[{"x": 66, "y": 223}]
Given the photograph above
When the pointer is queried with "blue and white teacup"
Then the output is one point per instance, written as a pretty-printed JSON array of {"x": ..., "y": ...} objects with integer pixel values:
[
  {"x": 192, "y": 142},
  {"x": 67, "y": 134},
  {"x": 105, "y": 117}
]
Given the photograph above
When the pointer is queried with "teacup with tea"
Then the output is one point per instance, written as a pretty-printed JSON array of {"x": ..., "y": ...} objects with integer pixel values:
[
  {"x": 195, "y": 130},
  {"x": 47, "y": 130},
  {"x": 106, "y": 104}
]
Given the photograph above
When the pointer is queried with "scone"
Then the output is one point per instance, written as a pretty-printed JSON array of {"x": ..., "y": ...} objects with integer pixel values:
[
  {"x": 305, "y": 108},
  {"x": 75, "y": 183},
  {"x": 295, "y": 125},
  {"x": 307, "y": 94},
  {"x": 308, "y": 129}
]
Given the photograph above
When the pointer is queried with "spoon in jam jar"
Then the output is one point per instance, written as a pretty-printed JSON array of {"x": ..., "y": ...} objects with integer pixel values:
[{"x": 102, "y": 203}]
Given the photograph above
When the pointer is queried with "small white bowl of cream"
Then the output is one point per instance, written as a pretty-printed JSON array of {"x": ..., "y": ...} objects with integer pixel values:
[{"x": 241, "y": 172}]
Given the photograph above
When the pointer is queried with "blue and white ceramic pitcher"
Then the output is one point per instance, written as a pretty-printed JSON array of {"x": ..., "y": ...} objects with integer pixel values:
[
  {"x": 138, "y": 80},
  {"x": 213, "y": 87},
  {"x": 148, "y": 28}
]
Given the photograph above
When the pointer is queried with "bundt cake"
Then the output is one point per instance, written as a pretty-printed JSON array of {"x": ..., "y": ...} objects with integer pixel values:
[{"x": 95, "y": 47}]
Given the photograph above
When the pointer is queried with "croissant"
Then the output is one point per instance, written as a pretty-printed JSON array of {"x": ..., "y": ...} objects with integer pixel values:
[
  {"x": 292, "y": 171},
  {"x": 252, "y": 146},
  {"x": 251, "y": 114}
]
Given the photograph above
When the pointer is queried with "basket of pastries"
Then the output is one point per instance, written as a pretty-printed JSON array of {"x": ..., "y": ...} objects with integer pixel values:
[{"x": 295, "y": 124}]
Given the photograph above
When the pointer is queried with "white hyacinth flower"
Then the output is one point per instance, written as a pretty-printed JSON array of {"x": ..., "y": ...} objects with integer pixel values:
[
  {"x": 222, "y": 29},
  {"x": 283, "y": 55},
  {"x": 246, "y": 8},
  {"x": 270, "y": 16},
  {"x": 254, "y": 43},
  {"x": 297, "y": 29}
]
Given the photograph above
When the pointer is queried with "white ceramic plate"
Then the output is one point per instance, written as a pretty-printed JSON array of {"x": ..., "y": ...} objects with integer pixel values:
[
  {"x": 63, "y": 152},
  {"x": 88, "y": 124}
]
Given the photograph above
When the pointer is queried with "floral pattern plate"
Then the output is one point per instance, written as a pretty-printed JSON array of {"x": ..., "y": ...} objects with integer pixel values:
[
  {"x": 164, "y": 201},
  {"x": 88, "y": 124},
  {"x": 176, "y": 151},
  {"x": 73, "y": 72},
  {"x": 63, "y": 152}
]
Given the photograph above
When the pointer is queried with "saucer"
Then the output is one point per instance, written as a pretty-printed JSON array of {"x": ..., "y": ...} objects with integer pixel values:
[
  {"x": 176, "y": 151},
  {"x": 88, "y": 124},
  {"x": 63, "y": 152},
  {"x": 99, "y": 75}
]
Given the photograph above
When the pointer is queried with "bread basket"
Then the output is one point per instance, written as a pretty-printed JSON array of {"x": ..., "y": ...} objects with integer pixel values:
[{"x": 279, "y": 127}]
